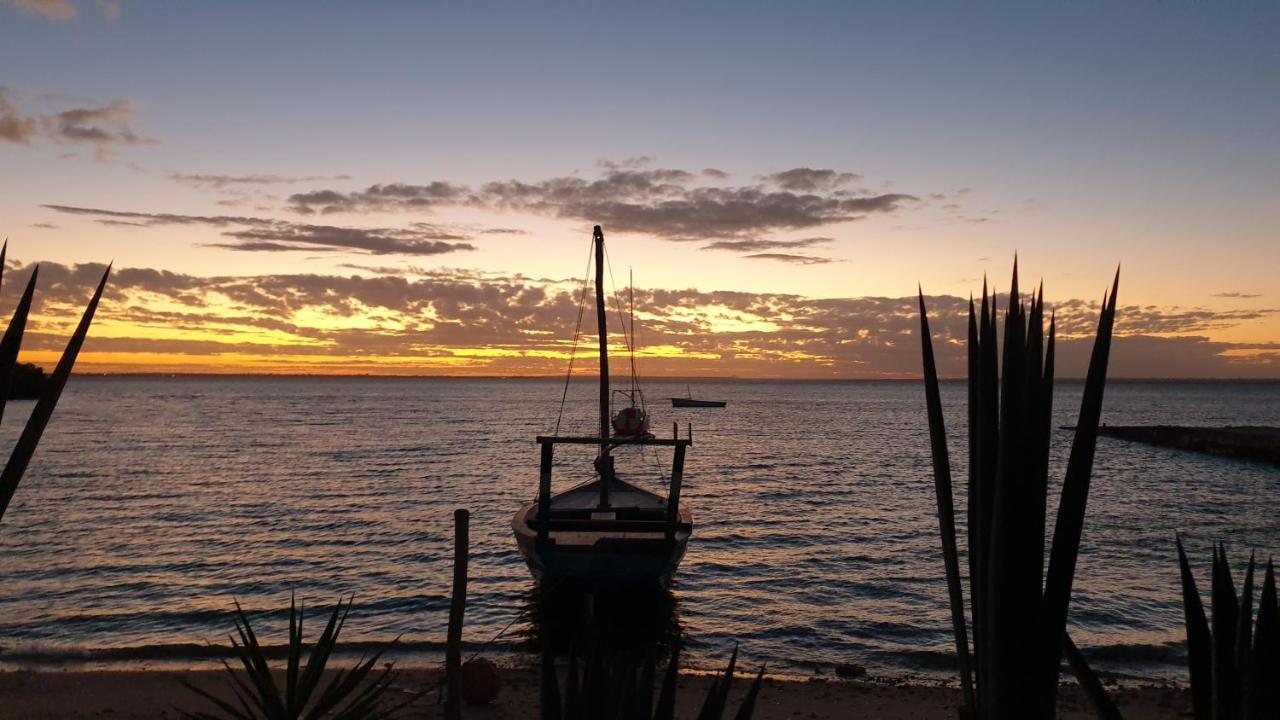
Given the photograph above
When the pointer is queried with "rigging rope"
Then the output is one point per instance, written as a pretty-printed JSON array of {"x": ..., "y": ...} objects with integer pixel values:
[
  {"x": 573, "y": 351},
  {"x": 627, "y": 333}
]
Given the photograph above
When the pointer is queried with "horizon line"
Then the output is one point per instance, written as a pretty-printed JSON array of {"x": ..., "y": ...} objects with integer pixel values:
[{"x": 661, "y": 378}]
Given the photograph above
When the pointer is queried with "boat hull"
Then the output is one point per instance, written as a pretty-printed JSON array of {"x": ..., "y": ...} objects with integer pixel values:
[
  {"x": 621, "y": 559},
  {"x": 688, "y": 402}
]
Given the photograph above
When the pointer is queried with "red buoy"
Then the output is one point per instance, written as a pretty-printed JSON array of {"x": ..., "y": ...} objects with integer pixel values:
[{"x": 480, "y": 681}]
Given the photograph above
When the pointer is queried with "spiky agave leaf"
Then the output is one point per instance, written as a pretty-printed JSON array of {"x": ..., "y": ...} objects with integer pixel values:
[
  {"x": 323, "y": 648},
  {"x": 1244, "y": 631},
  {"x": 1071, "y": 506},
  {"x": 549, "y": 686},
  {"x": 12, "y": 341},
  {"x": 1199, "y": 641},
  {"x": 1226, "y": 608},
  {"x": 748, "y": 707},
  {"x": 256, "y": 668},
  {"x": 946, "y": 510},
  {"x": 295, "y": 654},
  {"x": 1089, "y": 682},
  {"x": 573, "y": 701},
  {"x": 718, "y": 695},
  {"x": 349, "y": 695},
  {"x": 23, "y": 450},
  {"x": 987, "y": 384},
  {"x": 1235, "y": 672},
  {"x": 243, "y": 713},
  {"x": 620, "y": 685},
  {"x": 1010, "y": 416},
  {"x": 1012, "y": 579},
  {"x": 974, "y": 361},
  {"x": 648, "y": 677},
  {"x": 1263, "y": 699},
  {"x": 666, "y": 706},
  {"x": 593, "y": 691}
]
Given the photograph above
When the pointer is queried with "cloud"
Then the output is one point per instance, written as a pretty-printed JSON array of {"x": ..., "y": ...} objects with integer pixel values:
[
  {"x": 144, "y": 219},
  {"x": 44, "y": 226},
  {"x": 374, "y": 241},
  {"x": 219, "y": 182},
  {"x": 628, "y": 196},
  {"x": 631, "y": 163},
  {"x": 50, "y": 9},
  {"x": 805, "y": 179},
  {"x": 459, "y": 321},
  {"x": 104, "y": 127},
  {"x": 1242, "y": 296},
  {"x": 755, "y": 244},
  {"x": 712, "y": 213},
  {"x": 789, "y": 258},
  {"x": 393, "y": 196},
  {"x": 377, "y": 269},
  {"x": 1078, "y": 318},
  {"x": 668, "y": 203},
  {"x": 14, "y": 126},
  {"x": 257, "y": 234}
]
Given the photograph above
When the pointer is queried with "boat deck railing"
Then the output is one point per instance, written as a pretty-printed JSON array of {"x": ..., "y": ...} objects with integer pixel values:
[
  {"x": 615, "y": 440},
  {"x": 548, "y": 443}
]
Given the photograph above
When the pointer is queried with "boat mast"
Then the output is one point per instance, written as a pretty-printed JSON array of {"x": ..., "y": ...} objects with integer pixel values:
[
  {"x": 631, "y": 342},
  {"x": 604, "y": 463}
]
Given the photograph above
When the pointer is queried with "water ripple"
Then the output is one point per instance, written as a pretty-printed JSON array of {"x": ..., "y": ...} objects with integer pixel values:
[{"x": 154, "y": 502}]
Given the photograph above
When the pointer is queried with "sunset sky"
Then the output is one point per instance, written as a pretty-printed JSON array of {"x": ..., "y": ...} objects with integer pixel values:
[{"x": 410, "y": 187}]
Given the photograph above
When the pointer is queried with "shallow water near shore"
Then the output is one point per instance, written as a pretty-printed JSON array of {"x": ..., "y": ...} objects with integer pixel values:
[{"x": 153, "y": 502}]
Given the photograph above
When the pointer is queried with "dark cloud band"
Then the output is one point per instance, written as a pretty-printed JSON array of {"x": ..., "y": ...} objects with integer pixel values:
[
  {"x": 668, "y": 203},
  {"x": 517, "y": 324},
  {"x": 256, "y": 234}
]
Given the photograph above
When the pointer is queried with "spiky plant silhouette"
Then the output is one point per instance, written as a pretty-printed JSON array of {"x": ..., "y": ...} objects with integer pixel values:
[
  {"x": 25, "y": 448},
  {"x": 1234, "y": 660},
  {"x": 1019, "y": 610},
  {"x": 621, "y": 685},
  {"x": 351, "y": 694}
]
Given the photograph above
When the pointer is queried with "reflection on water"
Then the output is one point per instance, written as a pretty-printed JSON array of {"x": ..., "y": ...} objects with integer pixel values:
[{"x": 644, "y": 621}]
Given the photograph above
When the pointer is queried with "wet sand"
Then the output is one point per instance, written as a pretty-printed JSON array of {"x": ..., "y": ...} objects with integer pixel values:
[{"x": 50, "y": 694}]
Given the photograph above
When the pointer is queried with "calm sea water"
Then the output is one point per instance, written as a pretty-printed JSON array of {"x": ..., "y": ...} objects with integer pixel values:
[{"x": 152, "y": 503}]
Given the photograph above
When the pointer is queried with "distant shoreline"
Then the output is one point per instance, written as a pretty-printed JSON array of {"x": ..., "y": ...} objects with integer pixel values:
[{"x": 660, "y": 379}]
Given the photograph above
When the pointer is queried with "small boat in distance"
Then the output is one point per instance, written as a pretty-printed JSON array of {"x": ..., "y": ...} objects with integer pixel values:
[
  {"x": 606, "y": 532},
  {"x": 690, "y": 402}
]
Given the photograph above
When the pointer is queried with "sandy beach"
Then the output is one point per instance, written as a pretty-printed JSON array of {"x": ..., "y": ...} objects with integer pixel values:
[{"x": 50, "y": 695}]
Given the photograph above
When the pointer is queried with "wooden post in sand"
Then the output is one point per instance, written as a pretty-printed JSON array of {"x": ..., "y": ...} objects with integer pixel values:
[
  {"x": 544, "y": 493},
  {"x": 457, "y": 605},
  {"x": 673, "y": 495}
]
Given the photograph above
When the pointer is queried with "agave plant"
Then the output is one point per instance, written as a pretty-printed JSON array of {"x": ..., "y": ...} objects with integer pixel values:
[
  {"x": 351, "y": 694},
  {"x": 618, "y": 685},
  {"x": 1019, "y": 611},
  {"x": 1235, "y": 660},
  {"x": 25, "y": 448}
]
